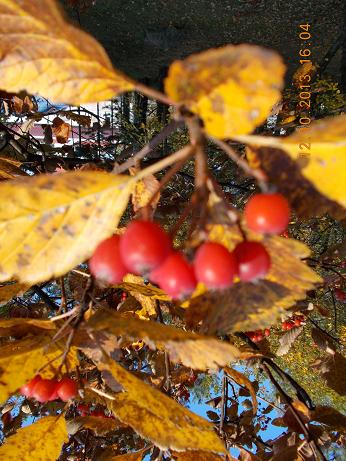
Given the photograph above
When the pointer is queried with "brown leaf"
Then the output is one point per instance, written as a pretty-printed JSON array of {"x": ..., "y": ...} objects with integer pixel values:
[
  {"x": 194, "y": 351},
  {"x": 330, "y": 417},
  {"x": 193, "y": 455},
  {"x": 109, "y": 455},
  {"x": 333, "y": 370},
  {"x": 99, "y": 425},
  {"x": 53, "y": 58},
  {"x": 22, "y": 327},
  {"x": 9, "y": 168},
  {"x": 83, "y": 120},
  {"x": 243, "y": 380},
  {"x": 323, "y": 341},
  {"x": 61, "y": 130},
  {"x": 287, "y": 340},
  {"x": 7, "y": 292}
]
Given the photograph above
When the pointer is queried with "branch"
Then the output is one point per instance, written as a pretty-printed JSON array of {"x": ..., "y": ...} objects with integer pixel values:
[{"x": 38, "y": 290}]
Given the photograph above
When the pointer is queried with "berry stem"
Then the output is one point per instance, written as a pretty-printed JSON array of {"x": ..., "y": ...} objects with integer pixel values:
[{"x": 257, "y": 173}]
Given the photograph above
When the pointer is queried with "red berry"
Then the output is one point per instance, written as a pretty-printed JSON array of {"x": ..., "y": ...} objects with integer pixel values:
[
  {"x": 83, "y": 409},
  {"x": 290, "y": 324},
  {"x": 67, "y": 389},
  {"x": 144, "y": 246},
  {"x": 175, "y": 276},
  {"x": 267, "y": 332},
  {"x": 106, "y": 263},
  {"x": 267, "y": 213},
  {"x": 284, "y": 325},
  {"x": 297, "y": 322},
  {"x": 28, "y": 388},
  {"x": 215, "y": 266},
  {"x": 123, "y": 296},
  {"x": 44, "y": 391},
  {"x": 253, "y": 260},
  {"x": 259, "y": 337},
  {"x": 340, "y": 295},
  {"x": 285, "y": 235}
]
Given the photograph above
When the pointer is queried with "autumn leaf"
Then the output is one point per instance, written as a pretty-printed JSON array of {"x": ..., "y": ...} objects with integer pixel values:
[
  {"x": 195, "y": 351},
  {"x": 199, "y": 456},
  {"x": 330, "y": 417},
  {"x": 134, "y": 285},
  {"x": 243, "y": 380},
  {"x": 20, "y": 360},
  {"x": 109, "y": 455},
  {"x": 99, "y": 425},
  {"x": 21, "y": 327},
  {"x": 61, "y": 130},
  {"x": 287, "y": 340},
  {"x": 286, "y": 174},
  {"x": 81, "y": 119},
  {"x": 46, "y": 221},
  {"x": 155, "y": 416},
  {"x": 333, "y": 371},
  {"x": 231, "y": 88},
  {"x": 143, "y": 192},
  {"x": 9, "y": 168},
  {"x": 41, "y": 441},
  {"x": 324, "y": 161},
  {"x": 7, "y": 292},
  {"x": 53, "y": 58}
]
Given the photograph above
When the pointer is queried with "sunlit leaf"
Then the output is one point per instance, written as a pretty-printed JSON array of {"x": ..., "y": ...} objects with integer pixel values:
[
  {"x": 287, "y": 340},
  {"x": 319, "y": 150},
  {"x": 41, "y": 441},
  {"x": 195, "y": 351},
  {"x": 109, "y": 455},
  {"x": 231, "y": 88},
  {"x": 42, "y": 53},
  {"x": 199, "y": 456},
  {"x": 99, "y": 425},
  {"x": 46, "y": 221},
  {"x": 61, "y": 130},
  {"x": 157, "y": 417},
  {"x": 134, "y": 284}
]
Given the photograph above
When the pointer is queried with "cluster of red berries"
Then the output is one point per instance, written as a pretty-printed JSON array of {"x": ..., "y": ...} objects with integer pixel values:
[
  {"x": 46, "y": 390},
  {"x": 85, "y": 410},
  {"x": 146, "y": 249},
  {"x": 258, "y": 335},
  {"x": 293, "y": 322}
]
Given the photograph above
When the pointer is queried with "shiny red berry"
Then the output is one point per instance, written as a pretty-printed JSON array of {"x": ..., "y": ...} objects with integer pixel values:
[
  {"x": 253, "y": 260},
  {"x": 106, "y": 263},
  {"x": 267, "y": 213},
  {"x": 44, "y": 391},
  {"x": 67, "y": 389},
  {"x": 28, "y": 388},
  {"x": 215, "y": 266},
  {"x": 267, "y": 332},
  {"x": 144, "y": 246},
  {"x": 175, "y": 276}
]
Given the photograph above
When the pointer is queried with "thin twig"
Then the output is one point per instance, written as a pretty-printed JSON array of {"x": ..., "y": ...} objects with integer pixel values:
[
  {"x": 63, "y": 305},
  {"x": 154, "y": 94},
  {"x": 38, "y": 290},
  {"x": 223, "y": 403},
  {"x": 258, "y": 174},
  {"x": 155, "y": 142}
]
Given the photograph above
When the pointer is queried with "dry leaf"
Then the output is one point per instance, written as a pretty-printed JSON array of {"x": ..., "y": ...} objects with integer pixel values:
[
  {"x": 9, "y": 168},
  {"x": 324, "y": 147},
  {"x": 157, "y": 417},
  {"x": 109, "y": 455},
  {"x": 7, "y": 292},
  {"x": 61, "y": 130},
  {"x": 287, "y": 340},
  {"x": 194, "y": 351},
  {"x": 330, "y": 417},
  {"x": 53, "y": 58},
  {"x": 143, "y": 192},
  {"x": 232, "y": 88},
  {"x": 135, "y": 285},
  {"x": 46, "y": 221},
  {"x": 81, "y": 119},
  {"x": 243, "y": 380},
  {"x": 333, "y": 370},
  {"x": 198, "y": 456},
  {"x": 99, "y": 425},
  {"x": 21, "y": 327},
  {"x": 41, "y": 441}
]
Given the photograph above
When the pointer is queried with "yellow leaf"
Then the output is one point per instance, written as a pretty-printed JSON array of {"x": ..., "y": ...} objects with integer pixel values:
[
  {"x": 157, "y": 417},
  {"x": 9, "y": 168},
  {"x": 195, "y": 351},
  {"x": 42, "y": 53},
  {"x": 320, "y": 151},
  {"x": 144, "y": 190},
  {"x": 231, "y": 88},
  {"x": 49, "y": 224},
  {"x": 20, "y": 360},
  {"x": 41, "y": 441},
  {"x": 134, "y": 285},
  {"x": 193, "y": 455},
  {"x": 21, "y": 327},
  {"x": 99, "y": 425},
  {"x": 243, "y": 380},
  {"x": 8, "y": 292}
]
